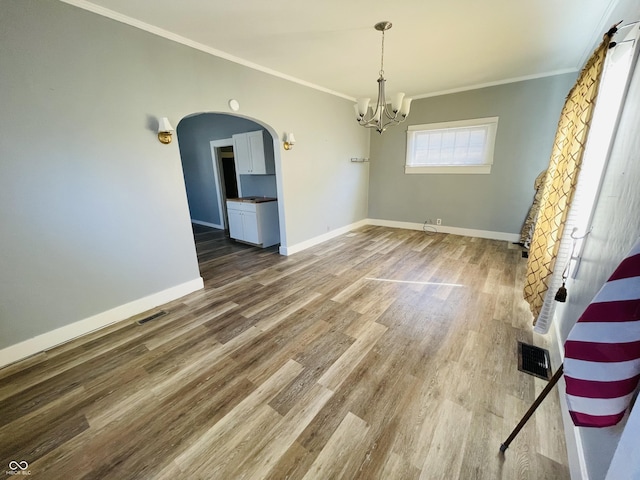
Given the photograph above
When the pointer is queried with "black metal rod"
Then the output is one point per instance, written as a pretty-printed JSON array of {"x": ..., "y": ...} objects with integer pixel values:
[
  {"x": 628, "y": 25},
  {"x": 532, "y": 409}
]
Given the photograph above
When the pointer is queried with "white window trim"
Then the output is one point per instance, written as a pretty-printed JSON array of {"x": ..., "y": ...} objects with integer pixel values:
[{"x": 456, "y": 169}]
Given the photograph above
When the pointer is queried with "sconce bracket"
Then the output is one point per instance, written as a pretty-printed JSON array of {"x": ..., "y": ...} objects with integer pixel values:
[{"x": 164, "y": 137}]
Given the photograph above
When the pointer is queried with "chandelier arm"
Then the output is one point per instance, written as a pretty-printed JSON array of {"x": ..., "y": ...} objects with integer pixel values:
[
  {"x": 382, "y": 103},
  {"x": 390, "y": 114},
  {"x": 370, "y": 125},
  {"x": 380, "y": 108},
  {"x": 389, "y": 123}
]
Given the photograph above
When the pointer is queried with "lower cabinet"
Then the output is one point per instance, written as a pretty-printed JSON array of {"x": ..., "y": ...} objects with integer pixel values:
[
  {"x": 255, "y": 223},
  {"x": 243, "y": 226}
]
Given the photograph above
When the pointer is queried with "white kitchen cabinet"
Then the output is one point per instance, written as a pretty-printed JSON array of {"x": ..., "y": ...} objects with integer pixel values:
[
  {"x": 253, "y": 153},
  {"x": 250, "y": 228},
  {"x": 255, "y": 223},
  {"x": 236, "y": 228}
]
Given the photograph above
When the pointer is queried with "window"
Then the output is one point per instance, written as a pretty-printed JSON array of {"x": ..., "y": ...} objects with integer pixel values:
[{"x": 464, "y": 146}]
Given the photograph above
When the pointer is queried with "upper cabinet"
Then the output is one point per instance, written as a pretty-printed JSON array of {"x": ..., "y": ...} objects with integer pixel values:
[{"x": 253, "y": 152}]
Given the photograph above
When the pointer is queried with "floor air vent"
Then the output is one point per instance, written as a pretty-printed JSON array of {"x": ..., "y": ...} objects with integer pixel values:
[
  {"x": 152, "y": 317},
  {"x": 534, "y": 361}
]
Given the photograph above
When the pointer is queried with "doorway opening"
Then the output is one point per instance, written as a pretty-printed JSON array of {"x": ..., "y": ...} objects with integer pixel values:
[
  {"x": 214, "y": 151},
  {"x": 226, "y": 177},
  {"x": 229, "y": 182}
]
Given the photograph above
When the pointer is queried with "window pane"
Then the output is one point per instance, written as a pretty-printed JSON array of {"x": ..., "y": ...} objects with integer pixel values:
[
  {"x": 462, "y": 138},
  {"x": 477, "y": 138},
  {"x": 448, "y": 139},
  {"x": 475, "y": 155},
  {"x": 435, "y": 140}
]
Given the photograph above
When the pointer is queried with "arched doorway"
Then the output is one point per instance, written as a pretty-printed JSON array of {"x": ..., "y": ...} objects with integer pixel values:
[{"x": 211, "y": 174}]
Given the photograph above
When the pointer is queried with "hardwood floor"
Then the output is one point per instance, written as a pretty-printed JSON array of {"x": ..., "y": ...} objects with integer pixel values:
[{"x": 382, "y": 354}]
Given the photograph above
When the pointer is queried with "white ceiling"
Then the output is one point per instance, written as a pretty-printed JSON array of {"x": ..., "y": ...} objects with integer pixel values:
[{"x": 432, "y": 47}]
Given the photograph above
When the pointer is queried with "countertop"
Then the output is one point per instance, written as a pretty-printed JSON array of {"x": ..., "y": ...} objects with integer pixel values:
[{"x": 252, "y": 199}]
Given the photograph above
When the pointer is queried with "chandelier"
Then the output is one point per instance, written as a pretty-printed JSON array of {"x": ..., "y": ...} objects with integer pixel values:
[{"x": 380, "y": 117}]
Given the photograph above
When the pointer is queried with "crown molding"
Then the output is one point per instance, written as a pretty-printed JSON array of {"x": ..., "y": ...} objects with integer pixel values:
[{"x": 496, "y": 83}]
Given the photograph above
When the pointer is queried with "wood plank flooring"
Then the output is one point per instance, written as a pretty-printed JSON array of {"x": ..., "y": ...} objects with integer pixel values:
[{"x": 381, "y": 354}]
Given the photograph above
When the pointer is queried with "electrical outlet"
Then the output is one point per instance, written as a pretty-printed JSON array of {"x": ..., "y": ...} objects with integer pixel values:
[{"x": 438, "y": 221}]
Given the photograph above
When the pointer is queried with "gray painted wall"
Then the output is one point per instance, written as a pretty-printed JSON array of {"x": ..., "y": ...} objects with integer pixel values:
[
  {"x": 616, "y": 226},
  {"x": 93, "y": 209},
  {"x": 194, "y": 136},
  {"x": 497, "y": 202},
  {"x": 258, "y": 185}
]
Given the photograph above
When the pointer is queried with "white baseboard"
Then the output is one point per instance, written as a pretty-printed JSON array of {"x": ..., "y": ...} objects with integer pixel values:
[
  {"x": 466, "y": 232},
  {"x": 61, "y": 335},
  {"x": 207, "y": 224},
  {"x": 298, "y": 247}
]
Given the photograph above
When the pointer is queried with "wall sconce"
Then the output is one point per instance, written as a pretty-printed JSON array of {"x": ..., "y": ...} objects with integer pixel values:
[
  {"x": 289, "y": 141},
  {"x": 165, "y": 130}
]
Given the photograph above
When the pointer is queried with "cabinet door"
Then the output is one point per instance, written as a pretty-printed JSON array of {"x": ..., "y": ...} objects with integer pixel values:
[
  {"x": 236, "y": 230},
  {"x": 242, "y": 153},
  {"x": 250, "y": 227},
  {"x": 256, "y": 146}
]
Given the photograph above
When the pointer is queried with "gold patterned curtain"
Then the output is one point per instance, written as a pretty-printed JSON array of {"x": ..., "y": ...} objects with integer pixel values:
[{"x": 562, "y": 176}]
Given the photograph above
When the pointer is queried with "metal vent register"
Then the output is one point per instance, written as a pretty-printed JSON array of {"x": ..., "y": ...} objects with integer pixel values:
[
  {"x": 152, "y": 317},
  {"x": 534, "y": 361}
]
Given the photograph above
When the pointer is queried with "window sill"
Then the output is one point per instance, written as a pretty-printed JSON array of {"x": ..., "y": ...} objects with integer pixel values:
[{"x": 465, "y": 169}]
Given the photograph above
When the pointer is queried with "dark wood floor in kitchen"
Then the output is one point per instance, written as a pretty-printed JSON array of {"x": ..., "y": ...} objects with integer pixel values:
[{"x": 381, "y": 354}]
